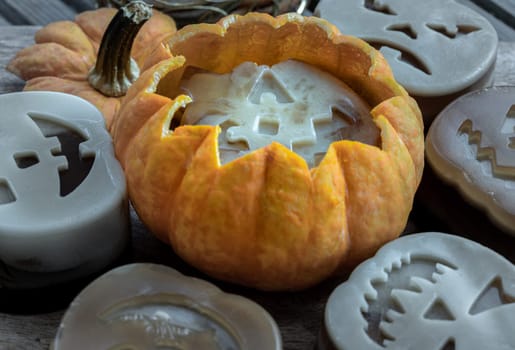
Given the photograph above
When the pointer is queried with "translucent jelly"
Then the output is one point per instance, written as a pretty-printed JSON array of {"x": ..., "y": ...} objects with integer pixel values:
[{"x": 300, "y": 106}]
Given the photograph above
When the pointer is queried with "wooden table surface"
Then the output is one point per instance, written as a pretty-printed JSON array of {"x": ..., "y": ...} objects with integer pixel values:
[{"x": 29, "y": 320}]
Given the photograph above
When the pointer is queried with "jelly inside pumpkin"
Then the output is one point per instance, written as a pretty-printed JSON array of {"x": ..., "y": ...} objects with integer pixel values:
[{"x": 300, "y": 106}]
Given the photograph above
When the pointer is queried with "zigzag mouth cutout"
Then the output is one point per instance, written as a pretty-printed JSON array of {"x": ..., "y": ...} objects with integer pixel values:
[
  {"x": 486, "y": 153},
  {"x": 397, "y": 276}
]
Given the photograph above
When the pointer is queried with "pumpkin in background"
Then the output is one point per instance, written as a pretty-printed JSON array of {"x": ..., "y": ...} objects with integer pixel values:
[
  {"x": 266, "y": 219},
  {"x": 66, "y": 51}
]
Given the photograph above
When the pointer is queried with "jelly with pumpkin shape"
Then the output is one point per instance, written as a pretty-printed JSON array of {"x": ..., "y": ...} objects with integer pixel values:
[
  {"x": 432, "y": 46},
  {"x": 471, "y": 145},
  {"x": 268, "y": 219},
  {"x": 63, "y": 199},
  {"x": 424, "y": 291},
  {"x": 149, "y": 306}
]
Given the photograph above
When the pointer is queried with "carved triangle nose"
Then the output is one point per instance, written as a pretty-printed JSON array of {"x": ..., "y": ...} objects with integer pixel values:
[{"x": 268, "y": 83}]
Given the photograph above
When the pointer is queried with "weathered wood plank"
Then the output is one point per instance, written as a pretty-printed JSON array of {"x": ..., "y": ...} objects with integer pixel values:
[
  {"x": 12, "y": 39},
  {"x": 81, "y": 5},
  {"x": 28, "y": 332},
  {"x": 35, "y": 12}
]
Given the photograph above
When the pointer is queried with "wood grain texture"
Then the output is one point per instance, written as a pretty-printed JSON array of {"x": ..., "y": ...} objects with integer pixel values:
[
  {"x": 35, "y": 12},
  {"x": 299, "y": 315},
  {"x": 28, "y": 332},
  {"x": 12, "y": 39},
  {"x": 81, "y": 5}
]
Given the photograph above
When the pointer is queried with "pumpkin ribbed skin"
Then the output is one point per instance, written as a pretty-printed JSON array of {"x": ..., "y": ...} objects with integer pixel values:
[
  {"x": 266, "y": 220},
  {"x": 65, "y": 51}
]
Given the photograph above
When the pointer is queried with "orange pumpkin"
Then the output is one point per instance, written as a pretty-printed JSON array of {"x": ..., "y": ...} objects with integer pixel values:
[
  {"x": 66, "y": 51},
  {"x": 266, "y": 219}
]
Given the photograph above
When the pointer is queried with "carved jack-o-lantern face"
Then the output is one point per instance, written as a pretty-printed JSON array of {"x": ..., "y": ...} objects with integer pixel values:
[
  {"x": 277, "y": 242},
  {"x": 303, "y": 108},
  {"x": 59, "y": 183},
  {"x": 55, "y": 148},
  {"x": 425, "y": 292},
  {"x": 435, "y": 48},
  {"x": 471, "y": 144}
]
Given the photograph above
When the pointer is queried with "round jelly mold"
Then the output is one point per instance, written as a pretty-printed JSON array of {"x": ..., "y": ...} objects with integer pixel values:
[
  {"x": 150, "y": 306},
  {"x": 424, "y": 291},
  {"x": 63, "y": 198},
  {"x": 438, "y": 50}
]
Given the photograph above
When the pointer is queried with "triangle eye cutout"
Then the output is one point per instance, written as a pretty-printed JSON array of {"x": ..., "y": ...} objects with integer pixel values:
[
  {"x": 6, "y": 193},
  {"x": 460, "y": 30},
  {"x": 403, "y": 28},
  {"x": 439, "y": 311},
  {"x": 411, "y": 59},
  {"x": 384, "y": 9},
  {"x": 79, "y": 165},
  {"x": 491, "y": 296},
  {"x": 26, "y": 160},
  {"x": 269, "y": 84}
]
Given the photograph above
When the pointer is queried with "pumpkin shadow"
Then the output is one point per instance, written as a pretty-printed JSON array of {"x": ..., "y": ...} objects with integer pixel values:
[{"x": 50, "y": 297}]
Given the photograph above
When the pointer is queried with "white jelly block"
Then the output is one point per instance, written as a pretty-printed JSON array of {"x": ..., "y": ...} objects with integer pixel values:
[
  {"x": 425, "y": 291},
  {"x": 148, "y": 306},
  {"x": 63, "y": 199},
  {"x": 471, "y": 145},
  {"x": 292, "y": 103},
  {"x": 437, "y": 49}
]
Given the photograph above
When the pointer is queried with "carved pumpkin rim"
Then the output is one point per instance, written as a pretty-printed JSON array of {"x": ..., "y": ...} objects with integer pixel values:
[
  {"x": 288, "y": 226},
  {"x": 170, "y": 66}
]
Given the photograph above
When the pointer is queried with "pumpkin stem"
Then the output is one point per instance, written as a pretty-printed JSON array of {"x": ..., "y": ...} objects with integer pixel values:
[{"x": 115, "y": 70}]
